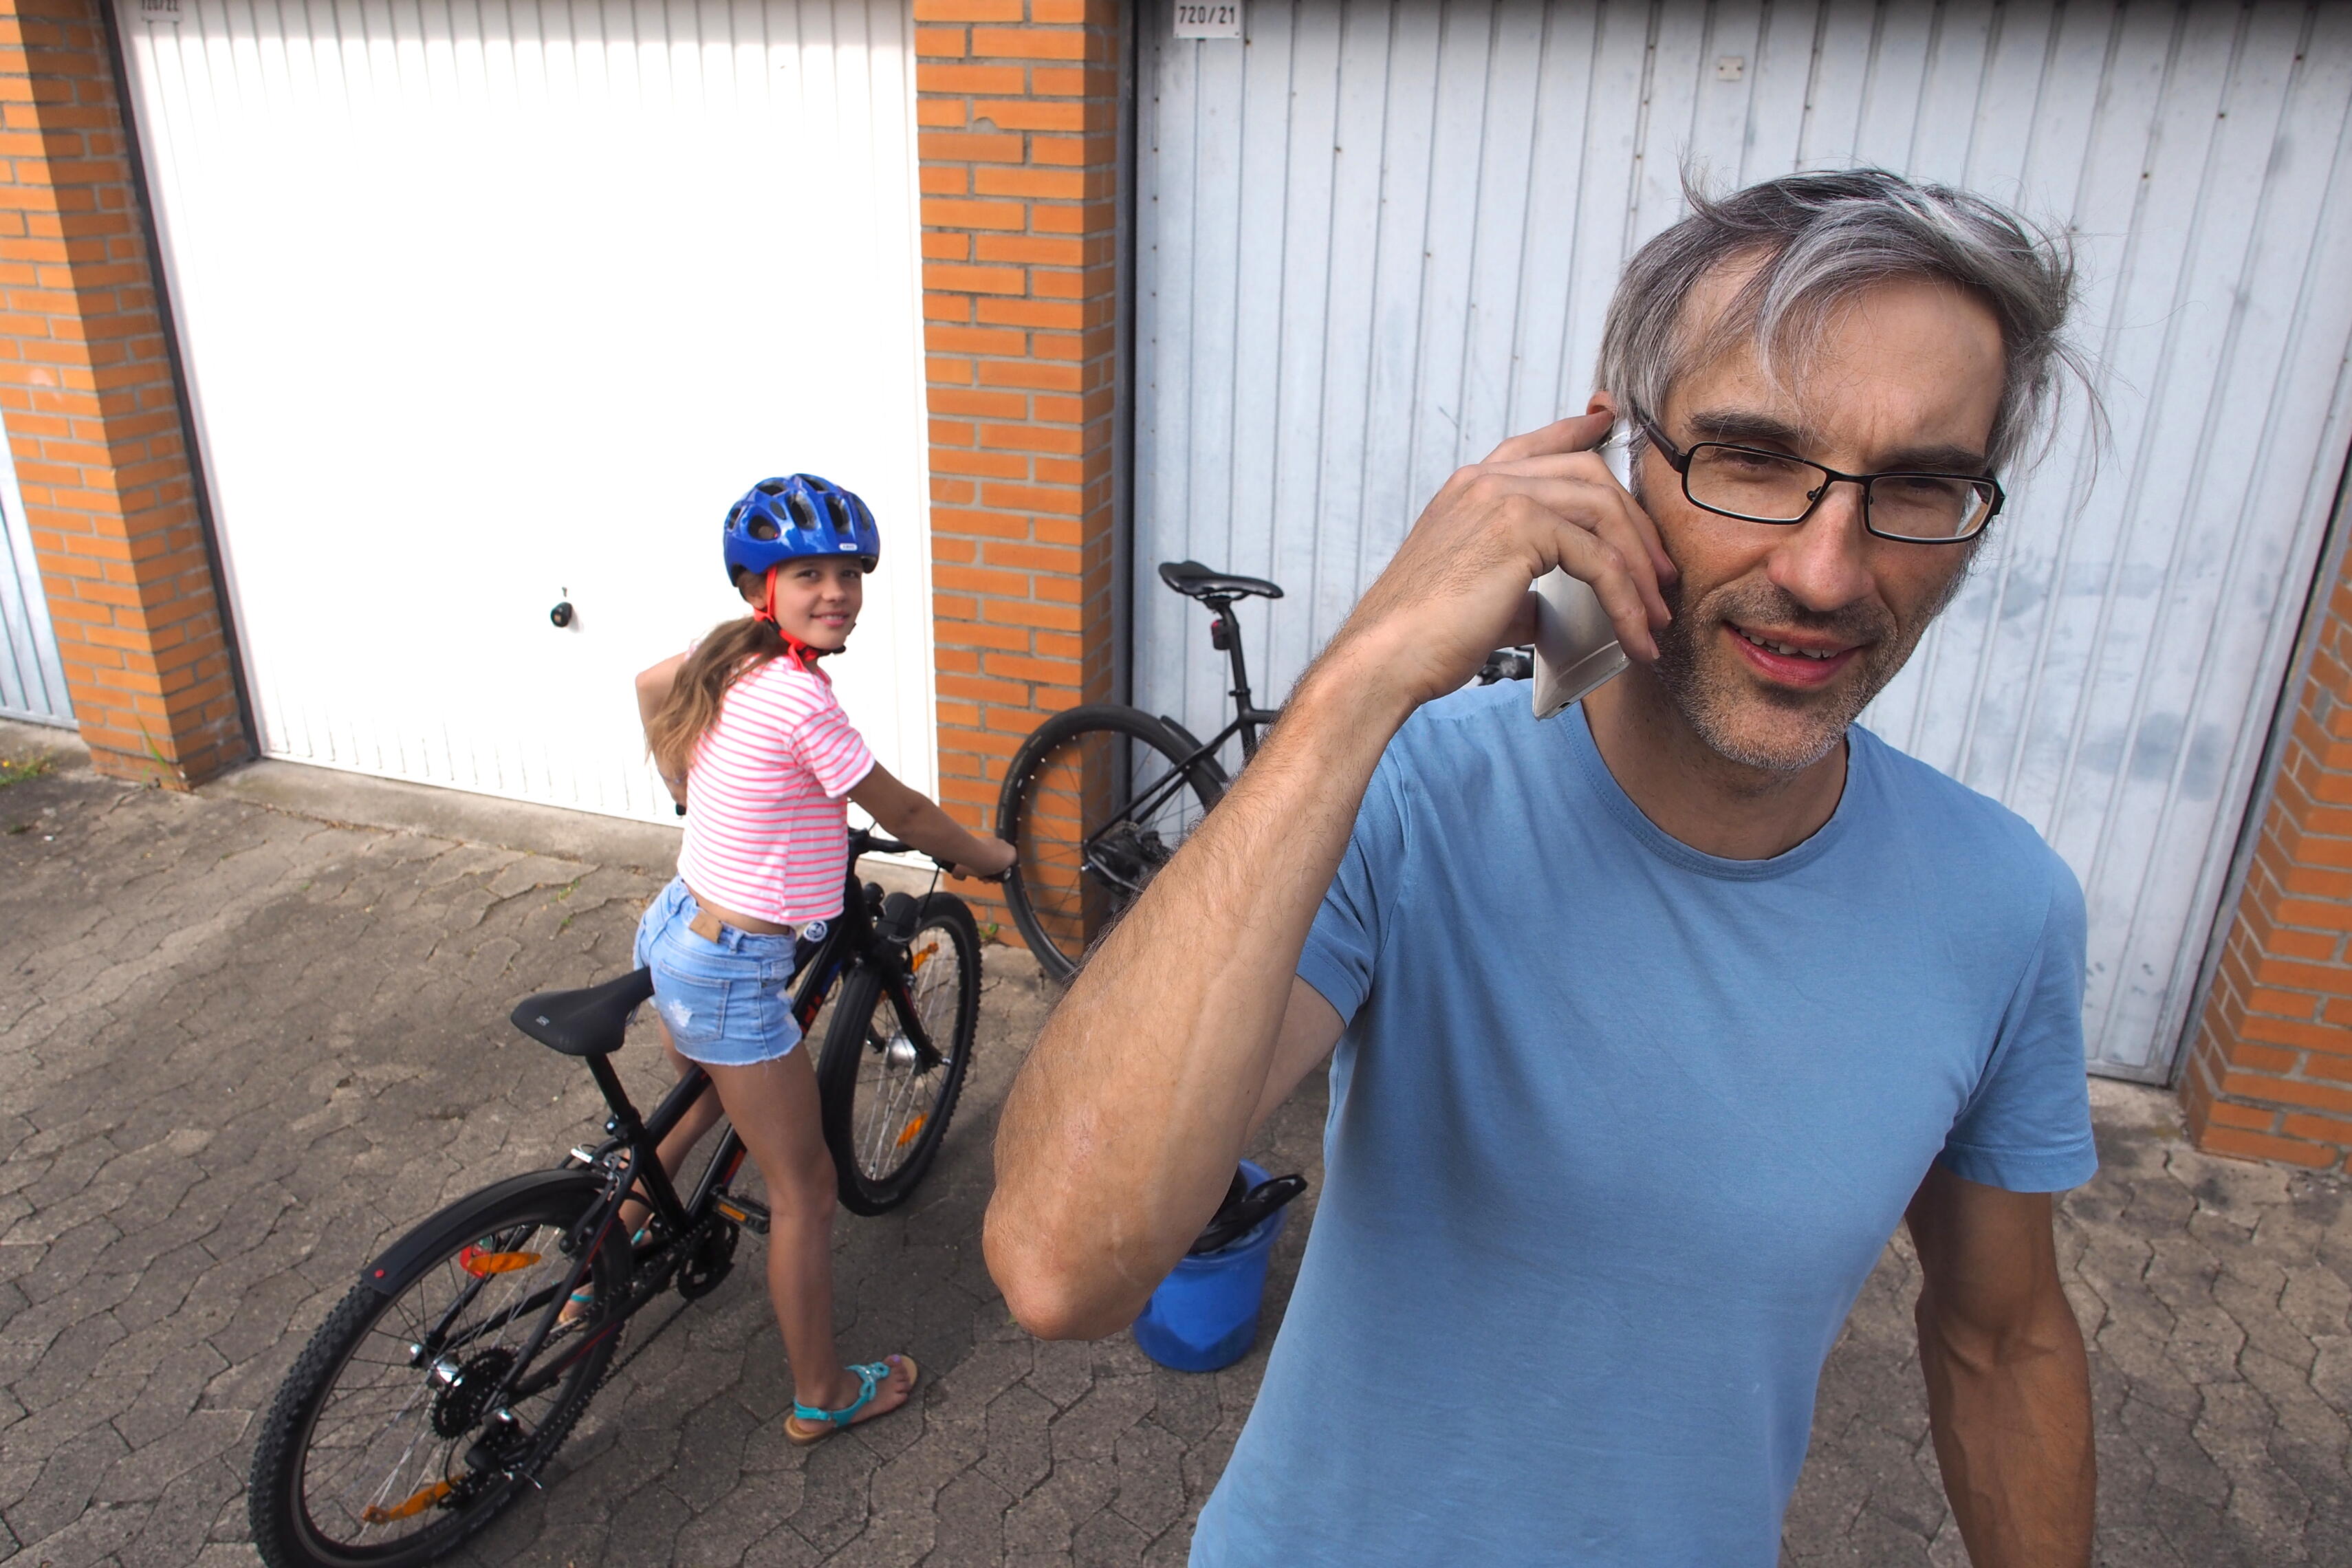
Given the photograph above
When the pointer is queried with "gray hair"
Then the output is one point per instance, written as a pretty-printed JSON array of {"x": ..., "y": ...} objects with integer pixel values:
[{"x": 1821, "y": 239}]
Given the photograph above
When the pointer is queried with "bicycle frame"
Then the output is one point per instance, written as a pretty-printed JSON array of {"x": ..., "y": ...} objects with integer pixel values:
[
  {"x": 1224, "y": 634},
  {"x": 851, "y": 939}
]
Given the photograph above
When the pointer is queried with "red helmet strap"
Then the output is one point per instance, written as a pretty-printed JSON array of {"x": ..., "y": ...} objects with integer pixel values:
[{"x": 801, "y": 651}]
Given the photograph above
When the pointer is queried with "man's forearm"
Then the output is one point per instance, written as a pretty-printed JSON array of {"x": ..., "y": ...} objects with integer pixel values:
[
  {"x": 1122, "y": 1132},
  {"x": 2012, "y": 1430}
]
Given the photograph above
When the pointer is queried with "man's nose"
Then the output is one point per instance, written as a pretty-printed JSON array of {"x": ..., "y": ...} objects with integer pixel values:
[{"x": 1822, "y": 563}]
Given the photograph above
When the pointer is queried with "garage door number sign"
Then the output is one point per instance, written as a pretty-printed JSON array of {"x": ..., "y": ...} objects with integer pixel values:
[{"x": 1212, "y": 19}]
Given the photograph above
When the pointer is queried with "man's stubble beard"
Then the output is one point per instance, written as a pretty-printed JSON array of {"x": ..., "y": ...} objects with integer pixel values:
[{"x": 1715, "y": 701}]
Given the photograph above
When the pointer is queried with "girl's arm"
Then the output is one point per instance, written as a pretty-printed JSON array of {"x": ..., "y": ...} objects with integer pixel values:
[
  {"x": 653, "y": 690},
  {"x": 906, "y": 814}
]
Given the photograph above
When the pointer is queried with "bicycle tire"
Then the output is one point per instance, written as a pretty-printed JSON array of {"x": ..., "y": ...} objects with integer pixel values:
[
  {"x": 436, "y": 1422},
  {"x": 1063, "y": 895},
  {"x": 884, "y": 1113}
]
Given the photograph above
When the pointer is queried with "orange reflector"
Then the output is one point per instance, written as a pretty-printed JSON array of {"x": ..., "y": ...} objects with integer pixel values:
[
  {"x": 482, "y": 1265},
  {"x": 921, "y": 959},
  {"x": 914, "y": 1131},
  {"x": 423, "y": 1499}
]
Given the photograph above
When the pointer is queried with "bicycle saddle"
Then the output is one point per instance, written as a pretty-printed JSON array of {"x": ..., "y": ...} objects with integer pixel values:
[
  {"x": 588, "y": 1023},
  {"x": 1190, "y": 577}
]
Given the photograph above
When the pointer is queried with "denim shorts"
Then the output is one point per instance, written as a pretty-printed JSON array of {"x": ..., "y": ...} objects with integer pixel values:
[{"x": 727, "y": 1003}]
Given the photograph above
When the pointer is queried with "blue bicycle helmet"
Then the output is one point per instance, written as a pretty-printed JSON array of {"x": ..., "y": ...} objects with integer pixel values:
[{"x": 798, "y": 516}]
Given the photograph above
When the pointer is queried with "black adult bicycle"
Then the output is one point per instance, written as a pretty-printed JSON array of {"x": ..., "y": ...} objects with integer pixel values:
[
  {"x": 1099, "y": 797},
  {"x": 450, "y": 1374}
]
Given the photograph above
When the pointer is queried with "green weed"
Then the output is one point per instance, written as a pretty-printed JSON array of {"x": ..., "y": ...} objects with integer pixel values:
[{"x": 16, "y": 773}]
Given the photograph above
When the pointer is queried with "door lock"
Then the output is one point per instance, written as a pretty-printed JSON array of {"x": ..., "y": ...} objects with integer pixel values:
[{"x": 561, "y": 613}]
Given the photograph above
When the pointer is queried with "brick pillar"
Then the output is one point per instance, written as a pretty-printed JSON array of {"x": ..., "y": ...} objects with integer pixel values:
[
  {"x": 1018, "y": 109},
  {"x": 94, "y": 419},
  {"x": 2271, "y": 1074}
]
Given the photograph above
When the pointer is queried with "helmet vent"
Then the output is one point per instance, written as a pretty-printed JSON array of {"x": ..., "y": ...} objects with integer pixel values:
[
  {"x": 798, "y": 504},
  {"x": 770, "y": 487},
  {"x": 763, "y": 529}
]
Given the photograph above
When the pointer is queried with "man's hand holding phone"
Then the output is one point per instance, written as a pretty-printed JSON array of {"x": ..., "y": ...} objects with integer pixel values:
[{"x": 1460, "y": 584}]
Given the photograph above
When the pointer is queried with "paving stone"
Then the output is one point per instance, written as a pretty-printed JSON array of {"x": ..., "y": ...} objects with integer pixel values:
[{"x": 242, "y": 1051}]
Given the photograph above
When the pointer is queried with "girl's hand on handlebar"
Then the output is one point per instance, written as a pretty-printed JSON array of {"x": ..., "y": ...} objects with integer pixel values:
[{"x": 993, "y": 864}]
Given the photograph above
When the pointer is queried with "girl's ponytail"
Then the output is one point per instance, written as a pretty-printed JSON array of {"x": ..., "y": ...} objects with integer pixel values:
[{"x": 733, "y": 650}]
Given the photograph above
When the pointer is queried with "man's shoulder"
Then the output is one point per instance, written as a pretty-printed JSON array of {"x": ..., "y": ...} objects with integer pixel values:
[
  {"x": 1476, "y": 716},
  {"x": 1967, "y": 833}
]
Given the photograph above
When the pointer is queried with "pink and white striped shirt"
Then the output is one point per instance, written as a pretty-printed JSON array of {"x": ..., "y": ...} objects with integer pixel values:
[{"x": 767, "y": 829}]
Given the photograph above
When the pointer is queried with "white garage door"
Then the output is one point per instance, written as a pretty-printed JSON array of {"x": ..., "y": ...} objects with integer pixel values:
[
  {"x": 32, "y": 677},
  {"x": 491, "y": 307},
  {"x": 1376, "y": 237}
]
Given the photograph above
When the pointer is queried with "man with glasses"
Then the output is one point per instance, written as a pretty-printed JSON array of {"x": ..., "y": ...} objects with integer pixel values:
[{"x": 1653, "y": 1019}]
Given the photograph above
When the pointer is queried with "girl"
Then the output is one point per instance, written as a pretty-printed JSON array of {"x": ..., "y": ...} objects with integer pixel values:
[{"x": 746, "y": 726}]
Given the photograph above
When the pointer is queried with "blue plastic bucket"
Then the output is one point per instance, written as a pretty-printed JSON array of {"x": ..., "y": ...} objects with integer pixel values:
[{"x": 1204, "y": 1315}]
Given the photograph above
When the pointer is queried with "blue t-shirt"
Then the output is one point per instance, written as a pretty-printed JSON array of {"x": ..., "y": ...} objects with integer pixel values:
[{"x": 1617, "y": 1132}]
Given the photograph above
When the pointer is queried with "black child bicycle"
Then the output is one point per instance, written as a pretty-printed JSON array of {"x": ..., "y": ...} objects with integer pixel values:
[{"x": 450, "y": 1374}]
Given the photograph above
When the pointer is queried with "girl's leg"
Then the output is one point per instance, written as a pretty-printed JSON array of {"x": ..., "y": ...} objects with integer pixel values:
[
  {"x": 773, "y": 1106},
  {"x": 699, "y": 1119}
]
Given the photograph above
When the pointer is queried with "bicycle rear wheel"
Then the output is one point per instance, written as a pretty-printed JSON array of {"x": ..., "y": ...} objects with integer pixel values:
[
  {"x": 886, "y": 1101},
  {"x": 388, "y": 1443},
  {"x": 1095, "y": 802}
]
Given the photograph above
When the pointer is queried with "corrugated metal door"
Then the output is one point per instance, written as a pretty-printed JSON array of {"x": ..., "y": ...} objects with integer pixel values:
[
  {"x": 488, "y": 306},
  {"x": 32, "y": 680},
  {"x": 1377, "y": 237}
]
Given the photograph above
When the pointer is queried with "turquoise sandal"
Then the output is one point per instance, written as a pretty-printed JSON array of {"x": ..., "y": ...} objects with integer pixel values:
[{"x": 869, "y": 1378}]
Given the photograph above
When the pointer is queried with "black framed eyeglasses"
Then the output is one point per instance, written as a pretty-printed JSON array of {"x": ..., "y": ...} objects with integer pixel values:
[{"x": 1758, "y": 486}]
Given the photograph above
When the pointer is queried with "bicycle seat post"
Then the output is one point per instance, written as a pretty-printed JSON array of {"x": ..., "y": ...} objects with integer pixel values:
[
  {"x": 1225, "y": 635},
  {"x": 626, "y": 1123}
]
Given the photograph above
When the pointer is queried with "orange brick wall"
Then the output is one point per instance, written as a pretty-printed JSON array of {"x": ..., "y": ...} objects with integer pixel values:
[
  {"x": 94, "y": 419},
  {"x": 2270, "y": 1076},
  {"x": 95, "y": 422},
  {"x": 1018, "y": 104}
]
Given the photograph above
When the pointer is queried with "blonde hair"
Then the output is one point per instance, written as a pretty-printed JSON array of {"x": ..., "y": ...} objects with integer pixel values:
[{"x": 733, "y": 650}]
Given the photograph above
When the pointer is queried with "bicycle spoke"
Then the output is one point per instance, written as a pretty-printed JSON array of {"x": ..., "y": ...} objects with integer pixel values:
[{"x": 416, "y": 1388}]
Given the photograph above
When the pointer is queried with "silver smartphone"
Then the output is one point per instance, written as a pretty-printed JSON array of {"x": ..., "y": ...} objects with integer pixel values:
[{"x": 1575, "y": 647}]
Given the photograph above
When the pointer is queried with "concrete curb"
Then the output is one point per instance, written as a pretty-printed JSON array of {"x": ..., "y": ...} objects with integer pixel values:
[{"x": 362, "y": 800}]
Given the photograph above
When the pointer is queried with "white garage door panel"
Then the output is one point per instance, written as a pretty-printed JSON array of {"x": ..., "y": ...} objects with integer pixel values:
[
  {"x": 491, "y": 306},
  {"x": 1377, "y": 237},
  {"x": 32, "y": 677}
]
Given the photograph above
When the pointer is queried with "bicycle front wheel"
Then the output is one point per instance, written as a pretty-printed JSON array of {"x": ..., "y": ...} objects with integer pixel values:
[
  {"x": 408, "y": 1421},
  {"x": 1095, "y": 803},
  {"x": 895, "y": 1059}
]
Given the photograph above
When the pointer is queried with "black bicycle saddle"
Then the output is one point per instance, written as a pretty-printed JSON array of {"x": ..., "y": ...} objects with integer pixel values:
[
  {"x": 588, "y": 1023},
  {"x": 1198, "y": 581}
]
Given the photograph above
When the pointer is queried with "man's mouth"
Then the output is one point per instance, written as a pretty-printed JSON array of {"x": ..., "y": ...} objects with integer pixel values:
[{"x": 1792, "y": 663}]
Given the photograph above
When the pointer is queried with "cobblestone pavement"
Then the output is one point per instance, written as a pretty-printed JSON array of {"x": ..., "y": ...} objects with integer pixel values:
[{"x": 241, "y": 1048}]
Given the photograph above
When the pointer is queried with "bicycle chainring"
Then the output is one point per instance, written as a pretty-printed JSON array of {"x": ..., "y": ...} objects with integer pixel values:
[{"x": 709, "y": 1260}]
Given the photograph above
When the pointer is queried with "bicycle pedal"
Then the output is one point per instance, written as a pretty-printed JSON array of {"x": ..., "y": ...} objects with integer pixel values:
[{"x": 743, "y": 1211}]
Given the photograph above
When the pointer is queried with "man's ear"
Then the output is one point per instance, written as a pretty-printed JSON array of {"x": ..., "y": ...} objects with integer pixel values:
[{"x": 1605, "y": 403}]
